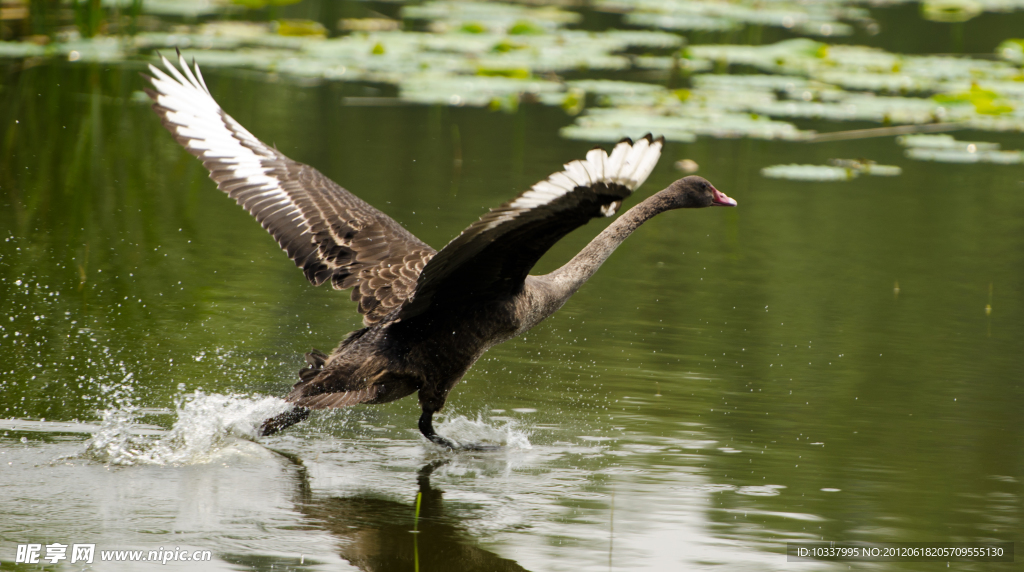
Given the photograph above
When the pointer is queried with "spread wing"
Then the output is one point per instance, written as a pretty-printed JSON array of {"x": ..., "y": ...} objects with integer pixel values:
[
  {"x": 493, "y": 256},
  {"x": 330, "y": 233}
]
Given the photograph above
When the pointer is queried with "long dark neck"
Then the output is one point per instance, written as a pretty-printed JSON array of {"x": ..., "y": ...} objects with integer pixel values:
[{"x": 552, "y": 290}]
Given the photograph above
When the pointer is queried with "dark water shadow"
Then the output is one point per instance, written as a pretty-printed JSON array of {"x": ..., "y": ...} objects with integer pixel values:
[{"x": 378, "y": 534}]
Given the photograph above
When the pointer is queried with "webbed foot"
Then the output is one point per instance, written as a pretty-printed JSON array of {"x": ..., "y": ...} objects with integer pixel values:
[{"x": 427, "y": 428}]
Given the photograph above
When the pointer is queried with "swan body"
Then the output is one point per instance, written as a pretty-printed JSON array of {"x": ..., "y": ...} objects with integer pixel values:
[{"x": 428, "y": 315}]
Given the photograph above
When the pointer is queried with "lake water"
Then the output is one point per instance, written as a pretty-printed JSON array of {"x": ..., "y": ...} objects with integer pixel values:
[{"x": 828, "y": 361}]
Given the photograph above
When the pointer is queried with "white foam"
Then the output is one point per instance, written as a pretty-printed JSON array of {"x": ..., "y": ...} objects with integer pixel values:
[
  {"x": 464, "y": 431},
  {"x": 208, "y": 428}
]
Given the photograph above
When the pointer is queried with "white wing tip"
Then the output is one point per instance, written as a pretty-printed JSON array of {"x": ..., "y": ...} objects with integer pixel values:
[
  {"x": 633, "y": 162},
  {"x": 629, "y": 165}
]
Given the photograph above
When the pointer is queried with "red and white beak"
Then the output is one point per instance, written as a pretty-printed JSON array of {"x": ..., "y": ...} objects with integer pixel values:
[{"x": 721, "y": 200}]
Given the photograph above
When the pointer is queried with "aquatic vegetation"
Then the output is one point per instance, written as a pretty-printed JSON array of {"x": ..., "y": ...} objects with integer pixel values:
[
  {"x": 681, "y": 123},
  {"x": 867, "y": 167},
  {"x": 481, "y": 90},
  {"x": 257, "y": 4},
  {"x": 838, "y": 170},
  {"x": 946, "y": 149},
  {"x": 21, "y": 50},
  {"x": 985, "y": 101},
  {"x": 300, "y": 28},
  {"x": 1012, "y": 50},
  {"x": 188, "y": 8},
  {"x": 950, "y": 10},
  {"x": 859, "y": 67},
  {"x": 680, "y": 115},
  {"x": 958, "y": 156},
  {"x": 498, "y": 55},
  {"x": 813, "y": 19},
  {"x": 489, "y": 17},
  {"x": 807, "y": 173},
  {"x": 943, "y": 141}
]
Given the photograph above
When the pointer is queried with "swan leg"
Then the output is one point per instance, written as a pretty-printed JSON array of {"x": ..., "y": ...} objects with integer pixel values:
[
  {"x": 283, "y": 421},
  {"x": 427, "y": 428}
]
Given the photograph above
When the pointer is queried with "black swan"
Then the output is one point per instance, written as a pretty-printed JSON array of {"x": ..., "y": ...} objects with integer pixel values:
[{"x": 429, "y": 315}]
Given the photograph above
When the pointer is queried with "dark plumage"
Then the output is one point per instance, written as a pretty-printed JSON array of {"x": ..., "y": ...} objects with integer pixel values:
[{"x": 429, "y": 315}]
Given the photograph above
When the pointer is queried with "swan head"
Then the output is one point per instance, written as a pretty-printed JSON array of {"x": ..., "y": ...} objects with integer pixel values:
[{"x": 695, "y": 192}]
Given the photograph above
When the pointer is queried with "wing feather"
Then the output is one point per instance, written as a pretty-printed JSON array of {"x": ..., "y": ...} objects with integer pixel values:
[
  {"x": 330, "y": 233},
  {"x": 493, "y": 255},
  {"x": 336, "y": 399}
]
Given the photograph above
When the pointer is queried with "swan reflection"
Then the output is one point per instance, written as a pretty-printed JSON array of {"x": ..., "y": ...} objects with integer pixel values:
[{"x": 377, "y": 534}]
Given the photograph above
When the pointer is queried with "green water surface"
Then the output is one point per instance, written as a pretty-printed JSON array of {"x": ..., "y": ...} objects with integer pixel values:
[{"x": 837, "y": 361}]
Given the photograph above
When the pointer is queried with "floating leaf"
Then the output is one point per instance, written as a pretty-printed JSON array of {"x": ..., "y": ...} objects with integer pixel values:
[
  {"x": 808, "y": 173},
  {"x": 613, "y": 87},
  {"x": 490, "y": 17},
  {"x": 525, "y": 27},
  {"x": 473, "y": 28},
  {"x": 817, "y": 19},
  {"x": 257, "y": 4},
  {"x": 883, "y": 170},
  {"x": 985, "y": 101},
  {"x": 97, "y": 49},
  {"x": 683, "y": 122},
  {"x": 866, "y": 167},
  {"x": 943, "y": 141},
  {"x": 20, "y": 50},
  {"x": 368, "y": 25},
  {"x": 946, "y": 149},
  {"x": 479, "y": 91},
  {"x": 1012, "y": 50},
  {"x": 965, "y": 156},
  {"x": 950, "y": 10},
  {"x": 302, "y": 28},
  {"x": 691, "y": 22},
  {"x": 182, "y": 8},
  {"x": 610, "y": 134},
  {"x": 505, "y": 46},
  {"x": 838, "y": 170},
  {"x": 517, "y": 73}
]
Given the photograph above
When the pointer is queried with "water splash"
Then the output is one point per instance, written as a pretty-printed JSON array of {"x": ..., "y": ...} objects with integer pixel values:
[
  {"x": 208, "y": 428},
  {"x": 465, "y": 430}
]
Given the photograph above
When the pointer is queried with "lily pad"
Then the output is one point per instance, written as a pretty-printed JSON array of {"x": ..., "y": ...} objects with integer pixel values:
[
  {"x": 867, "y": 167},
  {"x": 946, "y": 149},
  {"x": 817, "y": 19},
  {"x": 1012, "y": 50},
  {"x": 808, "y": 173},
  {"x": 473, "y": 90},
  {"x": 946, "y": 142},
  {"x": 950, "y": 10},
  {"x": 20, "y": 50},
  {"x": 490, "y": 17},
  {"x": 964, "y": 156},
  {"x": 179, "y": 8},
  {"x": 609, "y": 133},
  {"x": 839, "y": 170}
]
